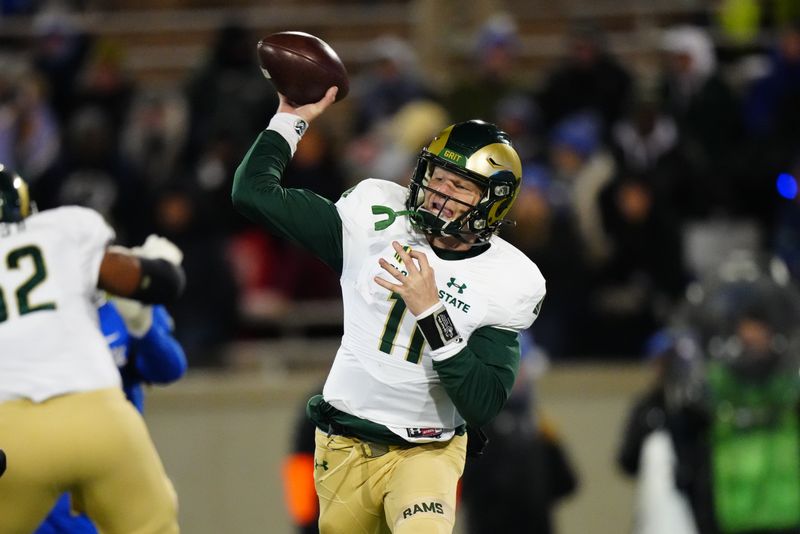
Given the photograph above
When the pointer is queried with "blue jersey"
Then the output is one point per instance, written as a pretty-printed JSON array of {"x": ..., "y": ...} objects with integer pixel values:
[{"x": 155, "y": 358}]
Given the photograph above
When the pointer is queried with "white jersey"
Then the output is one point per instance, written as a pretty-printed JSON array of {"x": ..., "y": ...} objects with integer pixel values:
[
  {"x": 50, "y": 341},
  {"x": 383, "y": 371}
]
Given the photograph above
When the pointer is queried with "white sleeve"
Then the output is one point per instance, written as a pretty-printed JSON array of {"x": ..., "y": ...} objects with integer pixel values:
[
  {"x": 88, "y": 234},
  {"x": 527, "y": 304},
  {"x": 291, "y": 127}
]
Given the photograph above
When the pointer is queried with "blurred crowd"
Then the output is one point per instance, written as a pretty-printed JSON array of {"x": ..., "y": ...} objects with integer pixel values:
[
  {"x": 637, "y": 185},
  {"x": 634, "y": 183}
]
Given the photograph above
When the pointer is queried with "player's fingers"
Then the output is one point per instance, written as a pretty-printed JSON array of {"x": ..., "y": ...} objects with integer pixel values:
[
  {"x": 330, "y": 95},
  {"x": 387, "y": 285},
  {"x": 309, "y": 112},
  {"x": 391, "y": 269},
  {"x": 404, "y": 257},
  {"x": 422, "y": 258}
]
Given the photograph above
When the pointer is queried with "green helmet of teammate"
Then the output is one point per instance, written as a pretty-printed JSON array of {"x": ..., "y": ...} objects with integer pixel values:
[
  {"x": 15, "y": 204},
  {"x": 482, "y": 153}
]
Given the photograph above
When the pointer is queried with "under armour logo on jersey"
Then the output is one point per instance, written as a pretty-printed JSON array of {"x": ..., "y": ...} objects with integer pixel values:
[
  {"x": 323, "y": 465},
  {"x": 460, "y": 287}
]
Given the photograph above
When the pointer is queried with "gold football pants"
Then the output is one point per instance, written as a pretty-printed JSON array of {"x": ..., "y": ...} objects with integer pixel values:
[
  {"x": 94, "y": 445},
  {"x": 369, "y": 489}
]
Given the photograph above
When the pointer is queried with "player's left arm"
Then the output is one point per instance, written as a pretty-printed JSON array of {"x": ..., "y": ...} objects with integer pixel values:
[
  {"x": 478, "y": 379},
  {"x": 477, "y": 375}
]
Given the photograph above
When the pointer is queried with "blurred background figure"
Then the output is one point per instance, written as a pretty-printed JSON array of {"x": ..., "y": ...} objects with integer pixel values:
[
  {"x": 206, "y": 317},
  {"x": 728, "y": 396},
  {"x": 647, "y": 448},
  {"x": 29, "y": 130},
  {"x": 546, "y": 229},
  {"x": 228, "y": 97},
  {"x": 580, "y": 160},
  {"x": 588, "y": 79},
  {"x": 105, "y": 83},
  {"x": 525, "y": 470},
  {"x": 706, "y": 110},
  {"x": 93, "y": 172},
  {"x": 643, "y": 276},
  {"x": 59, "y": 51},
  {"x": 154, "y": 136},
  {"x": 390, "y": 80},
  {"x": 495, "y": 74},
  {"x": 297, "y": 472},
  {"x": 390, "y": 149}
]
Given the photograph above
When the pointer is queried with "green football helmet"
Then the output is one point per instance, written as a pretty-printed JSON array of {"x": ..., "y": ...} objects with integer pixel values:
[
  {"x": 15, "y": 203},
  {"x": 482, "y": 153}
]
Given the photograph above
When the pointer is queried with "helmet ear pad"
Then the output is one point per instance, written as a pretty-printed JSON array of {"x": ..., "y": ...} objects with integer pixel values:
[{"x": 497, "y": 199}]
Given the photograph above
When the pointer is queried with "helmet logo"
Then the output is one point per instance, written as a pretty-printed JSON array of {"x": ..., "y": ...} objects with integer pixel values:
[
  {"x": 460, "y": 287},
  {"x": 453, "y": 156}
]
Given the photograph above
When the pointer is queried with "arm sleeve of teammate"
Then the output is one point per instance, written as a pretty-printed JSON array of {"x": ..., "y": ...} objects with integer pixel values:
[
  {"x": 159, "y": 357},
  {"x": 479, "y": 378},
  {"x": 298, "y": 215}
]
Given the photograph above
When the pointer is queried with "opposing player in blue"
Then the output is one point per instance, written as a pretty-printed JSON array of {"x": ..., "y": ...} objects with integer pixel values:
[{"x": 145, "y": 351}]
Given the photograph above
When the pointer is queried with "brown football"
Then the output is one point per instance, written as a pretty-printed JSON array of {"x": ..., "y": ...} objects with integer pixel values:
[{"x": 301, "y": 66}]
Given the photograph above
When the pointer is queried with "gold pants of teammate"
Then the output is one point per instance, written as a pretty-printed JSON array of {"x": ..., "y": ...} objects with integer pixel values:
[
  {"x": 94, "y": 445},
  {"x": 365, "y": 489}
]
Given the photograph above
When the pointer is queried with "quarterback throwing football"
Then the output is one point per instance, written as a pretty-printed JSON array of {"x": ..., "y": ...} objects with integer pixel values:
[{"x": 433, "y": 303}]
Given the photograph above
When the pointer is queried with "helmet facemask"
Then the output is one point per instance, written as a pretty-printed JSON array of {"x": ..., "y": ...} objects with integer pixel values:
[{"x": 480, "y": 153}]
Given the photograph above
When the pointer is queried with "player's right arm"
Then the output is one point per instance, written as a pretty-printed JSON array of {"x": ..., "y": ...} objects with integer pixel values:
[
  {"x": 151, "y": 281},
  {"x": 298, "y": 215}
]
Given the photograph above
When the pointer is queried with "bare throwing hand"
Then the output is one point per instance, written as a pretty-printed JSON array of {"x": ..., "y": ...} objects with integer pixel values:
[
  {"x": 417, "y": 288},
  {"x": 308, "y": 112}
]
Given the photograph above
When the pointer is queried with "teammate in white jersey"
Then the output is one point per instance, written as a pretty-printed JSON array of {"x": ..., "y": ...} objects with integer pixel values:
[
  {"x": 65, "y": 424},
  {"x": 433, "y": 303}
]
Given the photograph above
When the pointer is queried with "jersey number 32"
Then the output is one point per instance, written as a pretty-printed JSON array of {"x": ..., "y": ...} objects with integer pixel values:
[{"x": 24, "y": 258}]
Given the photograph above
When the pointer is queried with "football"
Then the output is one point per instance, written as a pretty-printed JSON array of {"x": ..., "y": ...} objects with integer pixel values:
[{"x": 301, "y": 66}]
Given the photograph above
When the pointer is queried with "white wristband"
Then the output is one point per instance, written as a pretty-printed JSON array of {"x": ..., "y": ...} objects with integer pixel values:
[{"x": 290, "y": 126}]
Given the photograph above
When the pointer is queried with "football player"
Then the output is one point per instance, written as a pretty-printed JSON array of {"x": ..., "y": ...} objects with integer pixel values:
[
  {"x": 433, "y": 302},
  {"x": 145, "y": 352},
  {"x": 64, "y": 422}
]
